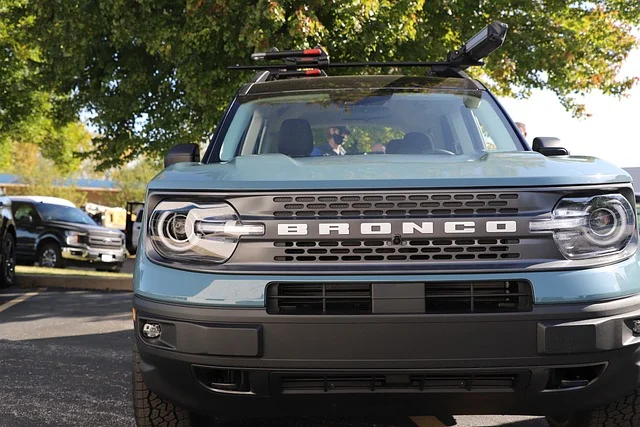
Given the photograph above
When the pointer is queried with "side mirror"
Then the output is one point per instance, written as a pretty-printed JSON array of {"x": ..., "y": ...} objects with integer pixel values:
[
  {"x": 182, "y": 153},
  {"x": 549, "y": 146}
]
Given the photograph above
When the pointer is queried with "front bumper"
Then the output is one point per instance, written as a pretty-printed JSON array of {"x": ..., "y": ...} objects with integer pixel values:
[
  {"x": 94, "y": 255},
  {"x": 556, "y": 359}
]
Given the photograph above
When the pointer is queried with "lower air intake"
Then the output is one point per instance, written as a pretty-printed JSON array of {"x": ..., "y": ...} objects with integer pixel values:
[
  {"x": 395, "y": 298},
  {"x": 368, "y": 383}
]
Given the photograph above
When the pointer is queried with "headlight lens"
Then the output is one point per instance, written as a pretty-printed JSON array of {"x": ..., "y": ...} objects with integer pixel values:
[
  {"x": 186, "y": 231},
  {"x": 74, "y": 238},
  {"x": 590, "y": 227}
]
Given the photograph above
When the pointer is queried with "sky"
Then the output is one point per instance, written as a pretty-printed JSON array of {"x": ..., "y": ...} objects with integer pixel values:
[{"x": 612, "y": 132}]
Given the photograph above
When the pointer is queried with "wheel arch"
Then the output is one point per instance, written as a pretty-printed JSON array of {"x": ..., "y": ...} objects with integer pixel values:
[{"x": 47, "y": 239}]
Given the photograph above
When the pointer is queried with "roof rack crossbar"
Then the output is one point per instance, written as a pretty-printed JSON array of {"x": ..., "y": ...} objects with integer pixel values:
[{"x": 313, "y": 62}]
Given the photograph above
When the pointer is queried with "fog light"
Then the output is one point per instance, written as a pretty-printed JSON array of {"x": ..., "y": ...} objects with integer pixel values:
[
  {"x": 635, "y": 326},
  {"x": 151, "y": 330}
]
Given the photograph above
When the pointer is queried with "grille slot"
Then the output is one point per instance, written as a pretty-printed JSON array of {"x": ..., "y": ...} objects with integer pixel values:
[
  {"x": 321, "y": 298},
  {"x": 427, "y": 382},
  {"x": 429, "y": 250},
  {"x": 397, "y": 205},
  {"x": 368, "y": 298},
  {"x": 478, "y": 297}
]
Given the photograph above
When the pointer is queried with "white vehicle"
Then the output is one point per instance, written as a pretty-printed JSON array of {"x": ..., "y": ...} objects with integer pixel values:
[{"x": 50, "y": 200}]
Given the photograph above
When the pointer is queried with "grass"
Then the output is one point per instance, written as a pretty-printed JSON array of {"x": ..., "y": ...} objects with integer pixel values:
[{"x": 22, "y": 269}]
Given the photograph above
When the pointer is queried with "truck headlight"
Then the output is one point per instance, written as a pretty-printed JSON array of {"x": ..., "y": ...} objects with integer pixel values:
[
  {"x": 74, "y": 238},
  {"x": 589, "y": 227},
  {"x": 187, "y": 231}
]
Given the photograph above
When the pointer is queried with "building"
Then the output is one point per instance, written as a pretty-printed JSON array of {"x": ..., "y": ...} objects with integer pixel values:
[{"x": 97, "y": 190}]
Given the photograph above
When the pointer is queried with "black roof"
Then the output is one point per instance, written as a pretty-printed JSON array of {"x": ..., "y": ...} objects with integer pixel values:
[{"x": 360, "y": 82}]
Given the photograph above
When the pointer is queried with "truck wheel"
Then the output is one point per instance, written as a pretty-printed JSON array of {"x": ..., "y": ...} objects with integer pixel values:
[
  {"x": 8, "y": 261},
  {"x": 624, "y": 412},
  {"x": 50, "y": 256},
  {"x": 150, "y": 410}
]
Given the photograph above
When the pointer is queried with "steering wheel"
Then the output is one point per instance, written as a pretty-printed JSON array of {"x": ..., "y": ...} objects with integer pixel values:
[{"x": 439, "y": 151}]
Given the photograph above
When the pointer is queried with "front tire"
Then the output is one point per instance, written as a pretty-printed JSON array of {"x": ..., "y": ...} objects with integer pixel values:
[
  {"x": 624, "y": 412},
  {"x": 50, "y": 256},
  {"x": 150, "y": 410},
  {"x": 8, "y": 261}
]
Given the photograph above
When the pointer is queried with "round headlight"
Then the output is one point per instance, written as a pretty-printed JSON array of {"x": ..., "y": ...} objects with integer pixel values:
[
  {"x": 186, "y": 231},
  {"x": 590, "y": 227}
]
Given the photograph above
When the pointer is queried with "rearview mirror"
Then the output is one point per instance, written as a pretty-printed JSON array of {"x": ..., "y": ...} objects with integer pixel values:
[
  {"x": 182, "y": 153},
  {"x": 549, "y": 146}
]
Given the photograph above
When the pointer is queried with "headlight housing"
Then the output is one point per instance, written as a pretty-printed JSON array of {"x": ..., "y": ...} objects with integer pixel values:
[
  {"x": 590, "y": 227},
  {"x": 185, "y": 231},
  {"x": 74, "y": 238}
]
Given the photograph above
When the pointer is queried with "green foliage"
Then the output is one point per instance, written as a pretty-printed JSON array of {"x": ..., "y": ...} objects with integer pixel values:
[
  {"x": 132, "y": 181},
  {"x": 40, "y": 175},
  {"x": 151, "y": 73}
]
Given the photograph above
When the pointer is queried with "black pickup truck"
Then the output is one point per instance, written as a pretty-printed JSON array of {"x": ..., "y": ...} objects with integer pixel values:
[{"x": 54, "y": 233}]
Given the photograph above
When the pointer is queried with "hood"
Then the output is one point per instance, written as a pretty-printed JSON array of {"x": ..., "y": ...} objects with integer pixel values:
[
  {"x": 85, "y": 228},
  {"x": 280, "y": 172}
]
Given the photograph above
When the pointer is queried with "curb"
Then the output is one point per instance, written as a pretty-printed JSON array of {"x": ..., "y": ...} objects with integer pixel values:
[{"x": 75, "y": 282}]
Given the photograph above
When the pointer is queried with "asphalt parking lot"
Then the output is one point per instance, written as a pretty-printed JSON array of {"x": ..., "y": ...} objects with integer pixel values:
[{"x": 65, "y": 360}]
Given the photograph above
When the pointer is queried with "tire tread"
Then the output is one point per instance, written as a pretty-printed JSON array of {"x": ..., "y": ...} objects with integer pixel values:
[{"x": 151, "y": 410}]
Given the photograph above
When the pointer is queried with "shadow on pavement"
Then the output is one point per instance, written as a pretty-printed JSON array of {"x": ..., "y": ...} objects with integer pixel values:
[{"x": 50, "y": 304}]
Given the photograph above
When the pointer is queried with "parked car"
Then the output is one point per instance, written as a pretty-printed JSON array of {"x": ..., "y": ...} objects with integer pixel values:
[
  {"x": 7, "y": 242},
  {"x": 54, "y": 233},
  {"x": 286, "y": 272}
]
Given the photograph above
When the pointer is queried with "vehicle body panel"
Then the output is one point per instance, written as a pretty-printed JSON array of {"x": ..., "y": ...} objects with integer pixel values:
[
  {"x": 273, "y": 172},
  {"x": 248, "y": 290}
]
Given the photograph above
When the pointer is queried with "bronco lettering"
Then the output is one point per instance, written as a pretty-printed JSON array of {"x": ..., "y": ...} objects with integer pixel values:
[{"x": 386, "y": 228}]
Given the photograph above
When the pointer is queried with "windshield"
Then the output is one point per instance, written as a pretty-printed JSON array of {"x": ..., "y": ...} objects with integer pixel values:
[
  {"x": 368, "y": 122},
  {"x": 63, "y": 213}
]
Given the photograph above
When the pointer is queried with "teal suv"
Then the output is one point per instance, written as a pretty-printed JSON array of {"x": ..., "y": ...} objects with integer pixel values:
[{"x": 384, "y": 244}]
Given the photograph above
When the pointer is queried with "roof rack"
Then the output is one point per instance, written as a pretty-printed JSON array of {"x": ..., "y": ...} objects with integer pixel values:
[{"x": 314, "y": 62}]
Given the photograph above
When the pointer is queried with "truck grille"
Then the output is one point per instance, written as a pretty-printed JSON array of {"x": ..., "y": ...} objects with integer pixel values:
[
  {"x": 105, "y": 241},
  {"x": 394, "y": 298},
  {"x": 379, "y": 251},
  {"x": 426, "y": 382},
  {"x": 405, "y": 205}
]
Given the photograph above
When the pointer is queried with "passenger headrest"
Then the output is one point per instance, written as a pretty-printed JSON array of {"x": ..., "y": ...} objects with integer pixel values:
[
  {"x": 393, "y": 146},
  {"x": 415, "y": 143},
  {"x": 295, "y": 138}
]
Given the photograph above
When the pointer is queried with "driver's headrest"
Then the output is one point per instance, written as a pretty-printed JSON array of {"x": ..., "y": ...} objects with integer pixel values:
[
  {"x": 295, "y": 138},
  {"x": 415, "y": 143}
]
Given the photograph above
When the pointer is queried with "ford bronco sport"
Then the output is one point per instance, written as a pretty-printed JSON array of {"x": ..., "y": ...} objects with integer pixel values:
[{"x": 294, "y": 269}]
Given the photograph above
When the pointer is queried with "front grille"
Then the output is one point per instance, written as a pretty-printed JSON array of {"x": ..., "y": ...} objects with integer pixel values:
[
  {"x": 417, "y": 250},
  {"x": 420, "y": 382},
  {"x": 392, "y": 298},
  {"x": 105, "y": 242},
  {"x": 404, "y": 205},
  {"x": 320, "y": 298}
]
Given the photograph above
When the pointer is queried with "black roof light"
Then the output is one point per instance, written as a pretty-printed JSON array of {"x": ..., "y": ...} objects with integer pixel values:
[
  {"x": 479, "y": 46},
  {"x": 314, "y": 62}
]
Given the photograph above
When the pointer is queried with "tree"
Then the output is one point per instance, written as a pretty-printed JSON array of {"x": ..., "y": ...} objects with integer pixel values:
[
  {"x": 132, "y": 181},
  {"x": 40, "y": 175},
  {"x": 151, "y": 73}
]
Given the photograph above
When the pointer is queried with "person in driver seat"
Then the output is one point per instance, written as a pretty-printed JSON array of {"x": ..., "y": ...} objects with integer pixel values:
[{"x": 333, "y": 147}]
